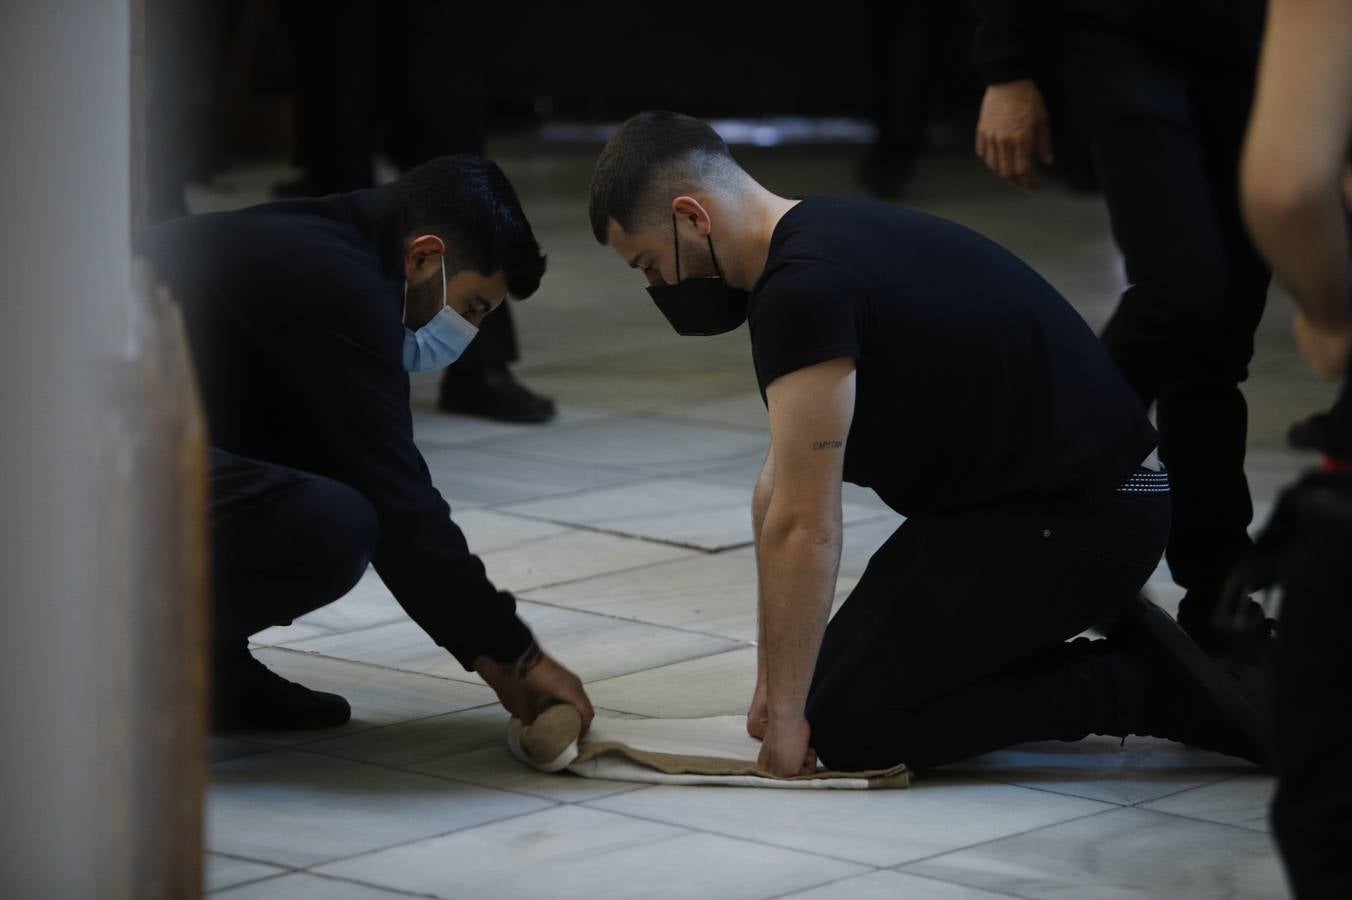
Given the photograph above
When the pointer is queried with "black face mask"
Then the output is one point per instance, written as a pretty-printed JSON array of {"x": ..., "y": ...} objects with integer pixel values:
[{"x": 703, "y": 304}]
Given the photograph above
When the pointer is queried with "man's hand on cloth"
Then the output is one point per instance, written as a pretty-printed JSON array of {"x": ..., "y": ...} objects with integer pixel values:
[
  {"x": 784, "y": 749},
  {"x": 758, "y": 716},
  {"x": 544, "y": 683}
]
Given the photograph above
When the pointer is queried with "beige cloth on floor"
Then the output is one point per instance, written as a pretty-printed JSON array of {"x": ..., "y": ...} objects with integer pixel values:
[{"x": 668, "y": 751}]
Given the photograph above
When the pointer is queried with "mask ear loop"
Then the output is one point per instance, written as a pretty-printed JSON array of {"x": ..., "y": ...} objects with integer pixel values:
[
  {"x": 676, "y": 242},
  {"x": 712, "y": 255}
]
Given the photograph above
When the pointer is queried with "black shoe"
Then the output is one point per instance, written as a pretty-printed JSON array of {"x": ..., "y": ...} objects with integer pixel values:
[
  {"x": 248, "y": 696},
  {"x": 1311, "y": 433},
  {"x": 1246, "y": 634},
  {"x": 1190, "y": 697},
  {"x": 491, "y": 392}
]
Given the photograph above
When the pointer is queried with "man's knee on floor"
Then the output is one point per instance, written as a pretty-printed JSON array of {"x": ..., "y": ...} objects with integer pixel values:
[{"x": 847, "y": 743}]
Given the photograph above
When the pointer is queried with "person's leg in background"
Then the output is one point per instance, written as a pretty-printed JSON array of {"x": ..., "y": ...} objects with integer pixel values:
[
  {"x": 283, "y": 543},
  {"x": 445, "y": 112},
  {"x": 335, "y": 47},
  {"x": 1183, "y": 332}
]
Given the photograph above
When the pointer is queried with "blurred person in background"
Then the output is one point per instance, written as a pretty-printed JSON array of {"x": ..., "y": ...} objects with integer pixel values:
[
  {"x": 1162, "y": 93},
  {"x": 1297, "y": 185},
  {"x": 411, "y": 77}
]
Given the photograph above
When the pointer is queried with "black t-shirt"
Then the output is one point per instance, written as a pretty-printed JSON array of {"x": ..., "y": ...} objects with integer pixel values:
[{"x": 977, "y": 383}]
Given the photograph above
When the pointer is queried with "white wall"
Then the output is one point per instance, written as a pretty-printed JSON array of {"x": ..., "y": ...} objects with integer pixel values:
[{"x": 64, "y": 281}]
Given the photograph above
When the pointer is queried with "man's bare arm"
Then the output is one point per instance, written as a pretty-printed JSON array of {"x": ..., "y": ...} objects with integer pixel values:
[
  {"x": 757, "y": 716},
  {"x": 798, "y": 549},
  {"x": 1297, "y": 153}
]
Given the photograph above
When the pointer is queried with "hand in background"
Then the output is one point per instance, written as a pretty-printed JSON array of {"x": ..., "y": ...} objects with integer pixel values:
[{"x": 1012, "y": 128}]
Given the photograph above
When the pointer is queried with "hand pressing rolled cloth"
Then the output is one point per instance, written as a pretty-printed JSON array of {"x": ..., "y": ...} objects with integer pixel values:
[{"x": 715, "y": 750}]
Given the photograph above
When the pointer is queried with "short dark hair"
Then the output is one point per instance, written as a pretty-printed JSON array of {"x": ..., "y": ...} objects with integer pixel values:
[
  {"x": 468, "y": 202},
  {"x": 653, "y": 149}
]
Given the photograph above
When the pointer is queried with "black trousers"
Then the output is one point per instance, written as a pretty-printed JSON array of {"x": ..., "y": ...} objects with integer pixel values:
[
  {"x": 1311, "y": 715},
  {"x": 1165, "y": 124},
  {"x": 283, "y": 543},
  {"x": 954, "y": 641}
]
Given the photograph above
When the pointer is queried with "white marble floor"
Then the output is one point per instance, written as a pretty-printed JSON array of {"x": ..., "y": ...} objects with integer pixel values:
[{"x": 624, "y": 528}]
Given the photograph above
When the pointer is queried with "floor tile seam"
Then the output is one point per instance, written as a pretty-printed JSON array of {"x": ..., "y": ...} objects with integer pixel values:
[
  {"x": 712, "y": 462},
  {"x": 741, "y": 646},
  {"x": 666, "y": 414},
  {"x": 369, "y": 884},
  {"x": 1187, "y": 818},
  {"x": 497, "y": 506},
  {"x": 736, "y": 837},
  {"x": 1181, "y": 791},
  {"x": 901, "y": 867},
  {"x": 328, "y": 631},
  {"x": 601, "y": 681},
  {"x": 453, "y": 779},
  {"x": 612, "y": 532},
  {"x": 552, "y": 805},
  {"x": 1043, "y": 790},
  {"x": 308, "y": 743},
  {"x": 692, "y": 631},
  {"x": 370, "y": 665},
  {"x": 795, "y": 891},
  {"x": 286, "y": 870},
  {"x": 482, "y": 439},
  {"x": 310, "y": 868}
]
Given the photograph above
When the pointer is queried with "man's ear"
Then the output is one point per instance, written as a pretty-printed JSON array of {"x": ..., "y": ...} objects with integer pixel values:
[
  {"x": 421, "y": 253},
  {"x": 690, "y": 211}
]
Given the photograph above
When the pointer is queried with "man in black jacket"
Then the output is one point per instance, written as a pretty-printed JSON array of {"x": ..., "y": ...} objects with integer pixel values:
[
  {"x": 303, "y": 319},
  {"x": 1162, "y": 93}
]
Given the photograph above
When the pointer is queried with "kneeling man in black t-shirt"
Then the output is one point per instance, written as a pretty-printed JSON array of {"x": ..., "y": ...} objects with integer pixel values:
[{"x": 908, "y": 354}]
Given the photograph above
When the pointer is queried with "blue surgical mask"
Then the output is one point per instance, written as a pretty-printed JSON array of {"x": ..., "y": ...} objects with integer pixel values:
[{"x": 441, "y": 341}]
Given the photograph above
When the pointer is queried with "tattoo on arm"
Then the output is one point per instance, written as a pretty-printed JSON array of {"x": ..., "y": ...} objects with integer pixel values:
[{"x": 827, "y": 445}]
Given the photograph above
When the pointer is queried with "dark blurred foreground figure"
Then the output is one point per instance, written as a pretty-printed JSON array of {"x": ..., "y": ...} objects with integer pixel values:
[
  {"x": 1298, "y": 152},
  {"x": 917, "y": 69},
  {"x": 304, "y": 318},
  {"x": 1162, "y": 94},
  {"x": 905, "y": 353},
  {"x": 366, "y": 69}
]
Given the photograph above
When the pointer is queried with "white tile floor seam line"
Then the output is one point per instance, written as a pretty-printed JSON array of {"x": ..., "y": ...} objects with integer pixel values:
[
  {"x": 423, "y": 771},
  {"x": 370, "y": 665},
  {"x": 605, "y": 615},
  {"x": 639, "y": 478},
  {"x": 1188, "y": 818},
  {"x": 550, "y": 804},
  {"x": 366, "y": 884},
  {"x": 821, "y": 884},
  {"x": 1193, "y": 787},
  {"x": 611, "y": 532},
  {"x": 1044, "y": 790},
  {"x": 630, "y": 712},
  {"x": 726, "y": 834},
  {"x": 901, "y": 867},
  {"x": 306, "y": 743}
]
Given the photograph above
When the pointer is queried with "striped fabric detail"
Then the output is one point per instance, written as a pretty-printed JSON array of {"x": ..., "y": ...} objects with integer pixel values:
[{"x": 1145, "y": 481}]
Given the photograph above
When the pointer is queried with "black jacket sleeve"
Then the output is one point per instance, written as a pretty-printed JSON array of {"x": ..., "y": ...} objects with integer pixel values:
[
  {"x": 351, "y": 400},
  {"x": 1007, "y": 41}
]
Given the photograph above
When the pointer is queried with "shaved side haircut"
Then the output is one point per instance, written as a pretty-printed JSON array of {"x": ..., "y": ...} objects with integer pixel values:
[{"x": 653, "y": 158}]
